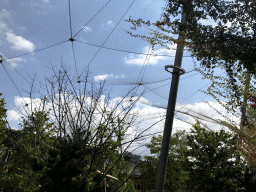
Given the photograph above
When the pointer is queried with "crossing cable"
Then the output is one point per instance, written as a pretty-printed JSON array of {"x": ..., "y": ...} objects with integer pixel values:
[
  {"x": 153, "y": 81},
  {"x": 147, "y": 58},
  {"x": 164, "y": 84},
  {"x": 14, "y": 69},
  {"x": 155, "y": 55},
  {"x": 195, "y": 93},
  {"x": 93, "y": 17},
  {"x": 15, "y": 86},
  {"x": 107, "y": 37},
  {"x": 38, "y": 50},
  {"x": 17, "y": 90},
  {"x": 71, "y": 39}
]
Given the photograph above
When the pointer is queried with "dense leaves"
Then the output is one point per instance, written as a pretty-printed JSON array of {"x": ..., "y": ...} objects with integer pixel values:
[
  {"x": 231, "y": 39},
  {"x": 213, "y": 168},
  {"x": 198, "y": 161},
  {"x": 176, "y": 173}
]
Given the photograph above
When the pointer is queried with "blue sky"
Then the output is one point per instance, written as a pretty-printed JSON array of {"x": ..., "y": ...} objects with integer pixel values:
[{"x": 27, "y": 26}]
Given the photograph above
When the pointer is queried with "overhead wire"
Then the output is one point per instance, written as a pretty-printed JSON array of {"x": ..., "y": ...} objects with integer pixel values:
[
  {"x": 38, "y": 50},
  {"x": 145, "y": 66},
  {"x": 15, "y": 70},
  {"x": 71, "y": 39},
  {"x": 15, "y": 85},
  {"x": 155, "y": 55},
  {"x": 107, "y": 37},
  {"x": 104, "y": 42},
  {"x": 93, "y": 17},
  {"x": 43, "y": 49}
]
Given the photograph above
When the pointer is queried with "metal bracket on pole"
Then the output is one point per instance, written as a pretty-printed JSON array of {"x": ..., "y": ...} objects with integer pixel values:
[{"x": 172, "y": 66}]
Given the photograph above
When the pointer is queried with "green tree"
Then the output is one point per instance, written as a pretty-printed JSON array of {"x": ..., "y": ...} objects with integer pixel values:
[
  {"x": 213, "y": 168},
  {"x": 28, "y": 152},
  {"x": 69, "y": 169},
  {"x": 209, "y": 44},
  {"x": 221, "y": 88},
  {"x": 2, "y": 135},
  {"x": 68, "y": 160},
  {"x": 176, "y": 173},
  {"x": 81, "y": 113}
]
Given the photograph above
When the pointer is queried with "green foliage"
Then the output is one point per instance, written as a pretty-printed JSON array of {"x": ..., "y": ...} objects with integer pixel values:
[
  {"x": 2, "y": 124},
  {"x": 176, "y": 173},
  {"x": 76, "y": 164},
  {"x": 213, "y": 169},
  {"x": 36, "y": 158},
  {"x": 26, "y": 153},
  {"x": 68, "y": 159},
  {"x": 209, "y": 44}
]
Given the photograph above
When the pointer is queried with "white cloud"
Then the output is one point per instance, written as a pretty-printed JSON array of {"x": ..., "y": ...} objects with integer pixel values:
[
  {"x": 86, "y": 29},
  {"x": 110, "y": 22},
  {"x": 141, "y": 59},
  {"x": 146, "y": 115},
  {"x": 14, "y": 62},
  {"x": 19, "y": 43},
  {"x": 22, "y": 28},
  {"x": 12, "y": 115},
  {"x": 3, "y": 14},
  {"x": 107, "y": 76}
]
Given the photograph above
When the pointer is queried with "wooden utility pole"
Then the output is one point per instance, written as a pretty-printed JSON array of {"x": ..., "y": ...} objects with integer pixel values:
[{"x": 177, "y": 71}]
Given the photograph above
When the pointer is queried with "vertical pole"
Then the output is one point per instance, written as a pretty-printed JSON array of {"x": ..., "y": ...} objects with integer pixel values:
[
  {"x": 105, "y": 179},
  {"x": 170, "y": 114},
  {"x": 243, "y": 108}
]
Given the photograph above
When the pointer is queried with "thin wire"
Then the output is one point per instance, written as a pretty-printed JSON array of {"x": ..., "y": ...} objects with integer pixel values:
[
  {"x": 147, "y": 58},
  {"x": 92, "y": 18},
  {"x": 74, "y": 57},
  {"x": 17, "y": 71},
  {"x": 155, "y": 55},
  {"x": 70, "y": 17},
  {"x": 71, "y": 39},
  {"x": 108, "y": 36},
  {"x": 155, "y": 92},
  {"x": 14, "y": 85},
  {"x": 198, "y": 91},
  {"x": 154, "y": 81},
  {"x": 38, "y": 50}
]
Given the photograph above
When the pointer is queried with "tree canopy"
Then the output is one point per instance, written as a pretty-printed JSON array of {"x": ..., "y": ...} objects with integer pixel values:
[{"x": 210, "y": 44}]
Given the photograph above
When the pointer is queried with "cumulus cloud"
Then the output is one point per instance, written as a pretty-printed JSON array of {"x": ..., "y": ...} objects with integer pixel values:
[
  {"x": 3, "y": 15},
  {"x": 153, "y": 60},
  {"x": 19, "y": 43},
  {"x": 107, "y": 76},
  {"x": 12, "y": 115},
  {"x": 15, "y": 61},
  {"x": 110, "y": 22},
  {"x": 107, "y": 25},
  {"x": 87, "y": 29},
  {"x": 149, "y": 120}
]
